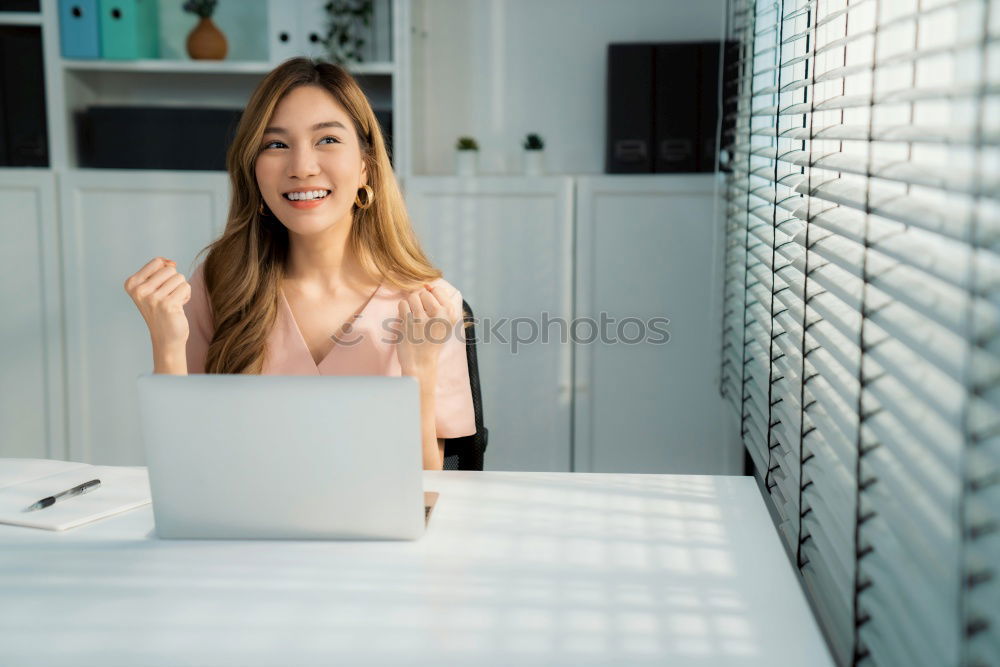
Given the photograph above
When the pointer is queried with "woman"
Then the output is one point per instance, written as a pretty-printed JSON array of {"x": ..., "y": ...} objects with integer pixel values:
[{"x": 318, "y": 270}]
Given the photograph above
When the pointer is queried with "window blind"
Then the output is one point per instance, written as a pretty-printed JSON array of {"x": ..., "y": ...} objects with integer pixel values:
[{"x": 861, "y": 332}]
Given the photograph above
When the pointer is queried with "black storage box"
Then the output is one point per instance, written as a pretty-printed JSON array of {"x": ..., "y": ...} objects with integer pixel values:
[
  {"x": 384, "y": 118},
  {"x": 117, "y": 137},
  {"x": 662, "y": 106},
  {"x": 19, "y": 6}
]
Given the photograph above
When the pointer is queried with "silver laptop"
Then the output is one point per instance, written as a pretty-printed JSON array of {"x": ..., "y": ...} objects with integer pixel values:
[{"x": 287, "y": 457}]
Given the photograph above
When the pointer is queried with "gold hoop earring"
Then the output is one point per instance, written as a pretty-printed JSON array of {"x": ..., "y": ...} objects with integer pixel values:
[
  {"x": 260, "y": 209},
  {"x": 369, "y": 197}
]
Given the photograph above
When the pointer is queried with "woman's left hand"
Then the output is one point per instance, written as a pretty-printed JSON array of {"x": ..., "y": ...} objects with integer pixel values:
[{"x": 428, "y": 319}]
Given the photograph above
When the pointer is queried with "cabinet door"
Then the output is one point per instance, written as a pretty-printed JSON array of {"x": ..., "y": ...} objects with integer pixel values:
[
  {"x": 506, "y": 243},
  {"x": 32, "y": 420},
  {"x": 646, "y": 248},
  {"x": 113, "y": 222}
]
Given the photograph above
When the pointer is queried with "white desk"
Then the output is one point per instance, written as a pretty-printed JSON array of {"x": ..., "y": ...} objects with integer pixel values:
[{"x": 515, "y": 569}]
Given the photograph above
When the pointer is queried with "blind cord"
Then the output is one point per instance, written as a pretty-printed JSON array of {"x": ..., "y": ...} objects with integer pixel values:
[
  {"x": 811, "y": 65},
  {"x": 859, "y": 652},
  {"x": 774, "y": 247},
  {"x": 716, "y": 222},
  {"x": 746, "y": 45},
  {"x": 969, "y": 624}
]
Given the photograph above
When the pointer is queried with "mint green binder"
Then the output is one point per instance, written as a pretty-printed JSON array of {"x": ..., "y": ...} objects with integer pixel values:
[{"x": 129, "y": 29}]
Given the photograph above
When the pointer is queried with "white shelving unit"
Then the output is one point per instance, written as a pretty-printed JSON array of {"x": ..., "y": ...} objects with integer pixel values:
[
  {"x": 72, "y": 341},
  {"x": 72, "y": 84}
]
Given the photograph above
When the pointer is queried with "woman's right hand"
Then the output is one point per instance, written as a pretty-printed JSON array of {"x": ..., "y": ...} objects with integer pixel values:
[{"x": 159, "y": 292}]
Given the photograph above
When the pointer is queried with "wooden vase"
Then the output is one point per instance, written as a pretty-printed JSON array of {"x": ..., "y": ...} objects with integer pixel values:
[{"x": 206, "y": 41}]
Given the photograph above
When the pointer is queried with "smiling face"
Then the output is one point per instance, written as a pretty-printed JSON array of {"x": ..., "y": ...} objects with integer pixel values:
[{"x": 310, "y": 165}]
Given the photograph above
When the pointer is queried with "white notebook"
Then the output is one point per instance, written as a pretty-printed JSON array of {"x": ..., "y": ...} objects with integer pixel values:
[{"x": 26, "y": 481}]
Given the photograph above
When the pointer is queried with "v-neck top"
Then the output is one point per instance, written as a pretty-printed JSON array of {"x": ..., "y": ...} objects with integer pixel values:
[
  {"x": 346, "y": 333},
  {"x": 368, "y": 349}
]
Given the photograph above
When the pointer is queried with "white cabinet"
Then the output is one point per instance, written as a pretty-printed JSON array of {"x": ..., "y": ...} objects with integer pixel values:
[
  {"x": 505, "y": 243},
  {"x": 31, "y": 381},
  {"x": 645, "y": 248},
  {"x": 550, "y": 249},
  {"x": 113, "y": 222}
]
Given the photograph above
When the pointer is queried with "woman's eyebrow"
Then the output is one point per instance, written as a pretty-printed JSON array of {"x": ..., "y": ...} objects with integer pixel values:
[{"x": 317, "y": 126}]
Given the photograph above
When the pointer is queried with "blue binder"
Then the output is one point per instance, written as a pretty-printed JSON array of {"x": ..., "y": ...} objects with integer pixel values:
[
  {"x": 129, "y": 29},
  {"x": 79, "y": 31}
]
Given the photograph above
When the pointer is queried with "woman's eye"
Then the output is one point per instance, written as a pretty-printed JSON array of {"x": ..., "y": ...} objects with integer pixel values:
[{"x": 276, "y": 143}]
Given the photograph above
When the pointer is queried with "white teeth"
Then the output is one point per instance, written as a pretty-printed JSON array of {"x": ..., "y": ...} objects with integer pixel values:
[{"x": 311, "y": 194}]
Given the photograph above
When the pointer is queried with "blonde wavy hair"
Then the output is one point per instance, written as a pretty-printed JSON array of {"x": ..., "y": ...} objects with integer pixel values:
[{"x": 245, "y": 265}]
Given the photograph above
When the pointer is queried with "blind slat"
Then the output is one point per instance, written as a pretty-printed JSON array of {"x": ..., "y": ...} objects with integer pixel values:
[{"x": 863, "y": 218}]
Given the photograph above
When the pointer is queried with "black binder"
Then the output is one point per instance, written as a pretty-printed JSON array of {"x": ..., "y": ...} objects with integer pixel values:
[
  {"x": 23, "y": 128},
  {"x": 630, "y": 109},
  {"x": 678, "y": 108},
  {"x": 708, "y": 103},
  {"x": 384, "y": 118}
]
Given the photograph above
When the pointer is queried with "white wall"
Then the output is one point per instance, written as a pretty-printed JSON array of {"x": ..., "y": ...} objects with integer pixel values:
[{"x": 498, "y": 69}]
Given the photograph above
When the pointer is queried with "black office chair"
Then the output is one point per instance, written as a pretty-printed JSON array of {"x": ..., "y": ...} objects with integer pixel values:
[{"x": 466, "y": 453}]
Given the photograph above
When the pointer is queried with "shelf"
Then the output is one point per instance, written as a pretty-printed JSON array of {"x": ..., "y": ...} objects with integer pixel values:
[
  {"x": 201, "y": 66},
  {"x": 20, "y": 18},
  {"x": 372, "y": 68},
  {"x": 169, "y": 66}
]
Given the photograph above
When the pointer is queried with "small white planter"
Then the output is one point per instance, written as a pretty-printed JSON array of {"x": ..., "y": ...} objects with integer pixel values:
[
  {"x": 465, "y": 162},
  {"x": 534, "y": 162}
]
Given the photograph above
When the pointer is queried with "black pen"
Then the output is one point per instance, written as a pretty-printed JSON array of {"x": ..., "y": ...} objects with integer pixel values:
[{"x": 68, "y": 493}]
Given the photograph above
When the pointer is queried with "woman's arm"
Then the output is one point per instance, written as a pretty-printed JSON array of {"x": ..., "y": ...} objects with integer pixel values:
[
  {"x": 433, "y": 459},
  {"x": 427, "y": 319},
  {"x": 172, "y": 361}
]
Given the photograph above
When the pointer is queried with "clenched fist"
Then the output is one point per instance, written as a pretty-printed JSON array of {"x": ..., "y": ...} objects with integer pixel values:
[
  {"x": 428, "y": 317},
  {"x": 159, "y": 292}
]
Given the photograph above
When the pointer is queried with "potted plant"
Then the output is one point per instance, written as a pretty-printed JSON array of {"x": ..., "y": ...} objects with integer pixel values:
[
  {"x": 466, "y": 151},
  {"x": 533, "y": 154},
  {"x": 348, "y": 26},
  {"x": 205, "y": 41}
]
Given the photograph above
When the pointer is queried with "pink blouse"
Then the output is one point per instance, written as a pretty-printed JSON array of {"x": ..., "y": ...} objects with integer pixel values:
[{"x": 369, "y": 349}]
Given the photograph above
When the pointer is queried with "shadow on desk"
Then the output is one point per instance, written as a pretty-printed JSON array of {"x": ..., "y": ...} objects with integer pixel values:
[{"x": 535, "y": 568}]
